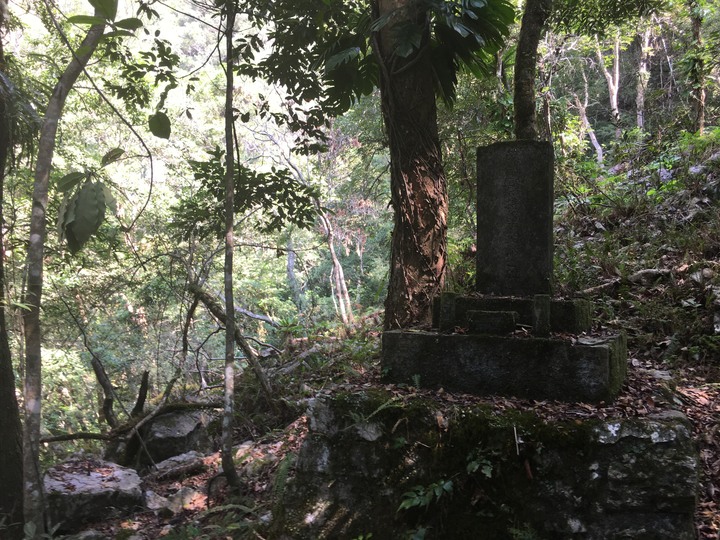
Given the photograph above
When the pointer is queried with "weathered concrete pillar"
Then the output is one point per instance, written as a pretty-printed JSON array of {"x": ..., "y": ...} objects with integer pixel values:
[{"x": 515, "y": 218}]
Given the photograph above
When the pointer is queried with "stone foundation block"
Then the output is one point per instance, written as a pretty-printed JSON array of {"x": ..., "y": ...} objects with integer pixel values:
[{"x": 588, "y": 369}]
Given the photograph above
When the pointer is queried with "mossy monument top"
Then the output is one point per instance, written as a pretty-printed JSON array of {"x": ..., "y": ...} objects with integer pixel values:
[{"x": 511, "y": 337}]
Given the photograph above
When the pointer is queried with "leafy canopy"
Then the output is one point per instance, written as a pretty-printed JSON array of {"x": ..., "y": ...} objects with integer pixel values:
[
  {"x": 595, "y": 17},
  {"x": 322, "y": 51},
  {"x": 282, "y": 199}
]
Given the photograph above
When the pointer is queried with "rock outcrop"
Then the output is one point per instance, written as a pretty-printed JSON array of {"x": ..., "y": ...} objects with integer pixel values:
[{"x": 81, "y": 490}]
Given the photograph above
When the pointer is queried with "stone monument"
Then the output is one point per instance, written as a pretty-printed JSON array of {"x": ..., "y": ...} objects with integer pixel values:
[
  {"x": 511, "y": 337},
  {"x": 484, "y": 472}
]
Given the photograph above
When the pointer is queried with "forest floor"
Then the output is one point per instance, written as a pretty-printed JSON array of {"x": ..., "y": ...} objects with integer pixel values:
[
  {"x": 648, "y": 259},
  {"x": 646, "y": 391}
]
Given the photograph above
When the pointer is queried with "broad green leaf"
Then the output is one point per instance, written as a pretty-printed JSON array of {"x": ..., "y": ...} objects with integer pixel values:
[
  {"x": 85, "y": 19},
  {"x": 89, "y": 207},
  {"x": 129, "y": 24},
  {"x": 106, "y": 8},
  {"x": 112, "y": 156},
  {"x": 380, "y": 22},
  {"x": 69, "y": 181},
  {"x": 159, "y": 125},
  {"x": 343, "y": 57}
]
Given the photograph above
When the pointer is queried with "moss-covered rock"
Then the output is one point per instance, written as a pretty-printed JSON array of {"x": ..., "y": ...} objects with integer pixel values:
[{"x": 388, "y": 465}]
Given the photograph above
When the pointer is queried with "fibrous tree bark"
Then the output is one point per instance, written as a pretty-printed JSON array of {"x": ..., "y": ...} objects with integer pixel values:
[
  {"x": 33, "y": 507},
  {"x": 533, "y": 22},
  {"x": 418, "y": 185}
]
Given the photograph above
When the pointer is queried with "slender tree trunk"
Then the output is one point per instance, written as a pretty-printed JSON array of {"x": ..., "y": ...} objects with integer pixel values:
[
  {"x": 612, "y": 77},
  {"x": 33, "y": 503},
  {"x": 587, "y": 127},
  {"x": 697, "y": 70},
  {"x": 228, "y": 464},
  {"x": 218, "y": 312},
  {"x": 293, "y": 284},
  {"x": 533, "y": 22},
  {"x": 11, "y": 459},
  {"x": 417, "y": 180},
  {"x": 104, "y": 381},
  {"x": 341, "y": 290},
  {"x": 643, "y": 76}
]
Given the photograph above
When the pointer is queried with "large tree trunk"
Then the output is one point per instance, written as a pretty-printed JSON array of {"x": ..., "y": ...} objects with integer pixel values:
[
  {"x": 33, "y": 503},
  {"x": 228, "y": 464},
  {"x": 533, "y": 22},
  {"x": 11, "y": 461},
  {"x": 417, "y": 181}
]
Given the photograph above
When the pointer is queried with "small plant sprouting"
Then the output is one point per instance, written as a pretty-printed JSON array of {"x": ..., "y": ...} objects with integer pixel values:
[{"x": 423, "y": 496}]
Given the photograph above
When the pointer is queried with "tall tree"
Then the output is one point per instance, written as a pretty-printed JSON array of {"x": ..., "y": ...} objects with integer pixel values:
[
  {"x": 11, "y": 460},
  {"x": 612, "y": 77},
  {"x": 697, "y": 65},
  {"x": 589, "y": 17},
  {"x": 643, "y": 75},
  {"x": 418, "y": 185},
  {"x": 412, "y": 50},
  {"x": 33, "y": 502},
  {"x": 228, "y": 463},
  {"x": 533, "y": 22}
]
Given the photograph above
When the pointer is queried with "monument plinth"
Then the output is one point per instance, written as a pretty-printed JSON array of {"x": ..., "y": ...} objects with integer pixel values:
[{"x": 511, "y": 337}]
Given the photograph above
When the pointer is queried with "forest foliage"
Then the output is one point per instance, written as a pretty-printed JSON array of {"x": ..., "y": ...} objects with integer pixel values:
[{"x": 631, "y": 104}]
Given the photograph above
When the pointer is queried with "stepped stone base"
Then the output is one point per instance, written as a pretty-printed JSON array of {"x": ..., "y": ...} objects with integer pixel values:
[{"x": 590, "y": 369}]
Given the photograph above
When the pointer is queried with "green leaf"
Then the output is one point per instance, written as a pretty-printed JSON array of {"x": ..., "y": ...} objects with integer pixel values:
[
  {"x": 116, "y": 33},
  {"x": 85, "y": 19},
  {"x": 106, "y": 8},
  {"x": 408, "y": 38},
  {"x": 112, "y": 156},
  {"x": 159, "y": 125},
  {"x": 89, "y": 212},
  {"x": 343, "y": 57},
  {"x": 129, "y": 24},
  {"x": 69, "y": 181}
]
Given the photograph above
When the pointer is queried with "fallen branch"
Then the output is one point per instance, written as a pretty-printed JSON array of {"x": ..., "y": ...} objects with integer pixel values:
[
  {"x": 645, "y": 277},
  {"x": 181, "y": 471},
  {"x": 218, "y": 312},
  {"x": 77, "y": 437}
]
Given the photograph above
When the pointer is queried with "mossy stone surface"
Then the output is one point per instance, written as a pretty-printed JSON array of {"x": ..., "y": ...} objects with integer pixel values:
[{"x": 509, "y": 473}]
